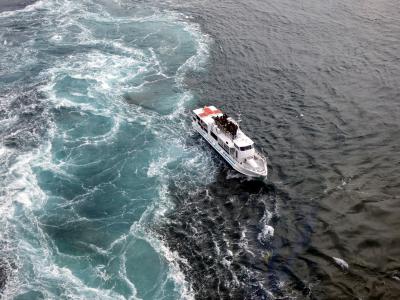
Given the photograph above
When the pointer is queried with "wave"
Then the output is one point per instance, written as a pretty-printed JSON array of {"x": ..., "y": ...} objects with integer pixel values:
[{"x": 78, "y": 205}]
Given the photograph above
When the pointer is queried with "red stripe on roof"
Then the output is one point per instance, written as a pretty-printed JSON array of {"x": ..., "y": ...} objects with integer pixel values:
[{"x": 208, "y": 111}]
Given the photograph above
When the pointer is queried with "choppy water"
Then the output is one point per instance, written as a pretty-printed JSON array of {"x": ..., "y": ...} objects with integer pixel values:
[
  {"x": 91, "y": 126},
  {"x": 317, "y": 84},
  {"x": 107, "y": 194}
]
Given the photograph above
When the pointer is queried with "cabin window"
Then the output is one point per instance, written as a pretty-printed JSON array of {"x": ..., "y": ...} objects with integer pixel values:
[
  {"x": 226, "y": 148},
  {"x": 245, "y": 148},
  {"x": 223, "y": 145},
  {"x": 214, "y": 136},
  {"x": 203, "y": 125}
]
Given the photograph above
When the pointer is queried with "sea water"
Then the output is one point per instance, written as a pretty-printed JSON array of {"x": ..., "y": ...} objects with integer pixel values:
[{"x": 94, "y": 123}]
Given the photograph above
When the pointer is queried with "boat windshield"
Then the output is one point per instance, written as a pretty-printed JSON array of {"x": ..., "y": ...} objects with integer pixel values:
[{"x": 245, "y": 148}]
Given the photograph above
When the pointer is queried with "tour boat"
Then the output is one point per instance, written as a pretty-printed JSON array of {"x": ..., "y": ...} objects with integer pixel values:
[{"x": 224, "y": 135}]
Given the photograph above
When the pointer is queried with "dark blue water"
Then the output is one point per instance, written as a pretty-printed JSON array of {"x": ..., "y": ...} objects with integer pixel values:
[{"x": 107, "y": 193}]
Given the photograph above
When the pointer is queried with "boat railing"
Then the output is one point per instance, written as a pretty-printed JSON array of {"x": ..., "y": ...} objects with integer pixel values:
[{"x": 258, "y": 155}]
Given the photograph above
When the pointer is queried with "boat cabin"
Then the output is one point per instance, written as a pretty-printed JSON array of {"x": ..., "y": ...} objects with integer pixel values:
[{"x": 225, "y": 131}]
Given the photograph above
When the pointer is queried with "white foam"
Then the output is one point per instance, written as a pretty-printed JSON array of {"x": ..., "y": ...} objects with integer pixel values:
[
  {"x": 3, "y": 153},
  {"x": 126, "y": 279},
  {"x": 22, "y": 185},
  {"x": 56, "y": 37},
  {"x": 111, "y": 74},
  {"x": 341, "y": 263},
  {"x": 267, "y": 230},
  {"x": 156, "y": 212},
  {"x": 243, "y": 242},
  {"x": 173, "y": 259},
  {"x": 157, "y": 166},
  {"x": 197, "y": 61},
  {"x": 29, "y": 8}
]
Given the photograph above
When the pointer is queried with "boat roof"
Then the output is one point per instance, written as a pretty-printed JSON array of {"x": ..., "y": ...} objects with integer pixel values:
[
  {"x": 242, "y": 140},
  {"x": 208, "y": 112}
]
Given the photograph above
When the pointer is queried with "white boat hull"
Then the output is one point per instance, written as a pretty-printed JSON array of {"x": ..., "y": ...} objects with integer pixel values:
[{"x": 240, "y": 167}]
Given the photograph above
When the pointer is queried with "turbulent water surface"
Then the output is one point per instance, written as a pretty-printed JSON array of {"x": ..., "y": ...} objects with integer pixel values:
[
  {"x": 92, "y": 126},
  {"x": 106, "y": 193}
]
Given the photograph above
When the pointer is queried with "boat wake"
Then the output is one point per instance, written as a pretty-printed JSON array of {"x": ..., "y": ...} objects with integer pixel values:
[{"x": 223, "y": 231}]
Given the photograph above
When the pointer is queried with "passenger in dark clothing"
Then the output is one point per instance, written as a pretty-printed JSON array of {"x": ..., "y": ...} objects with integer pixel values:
[{"x": 224, "y": 124}]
